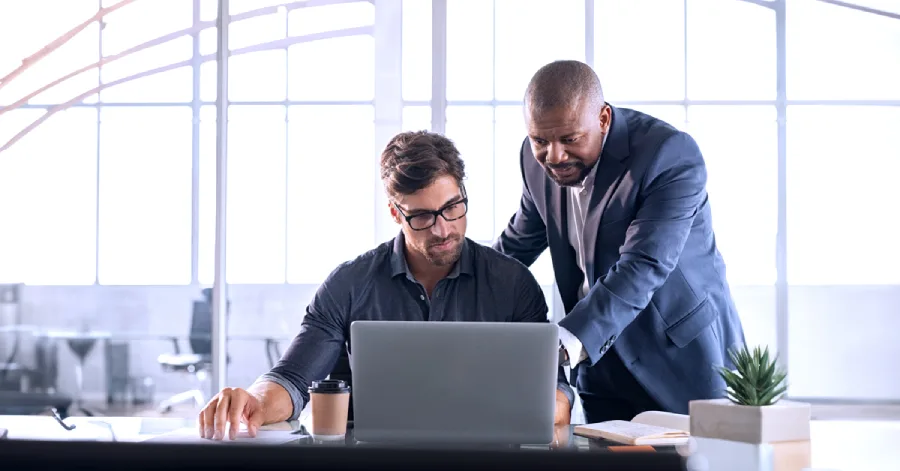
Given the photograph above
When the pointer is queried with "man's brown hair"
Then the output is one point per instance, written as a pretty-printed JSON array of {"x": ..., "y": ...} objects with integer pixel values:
[{"x": 415, "y": 159}]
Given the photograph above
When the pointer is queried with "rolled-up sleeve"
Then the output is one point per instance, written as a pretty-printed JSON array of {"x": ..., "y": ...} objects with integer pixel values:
[{"x": 313, "y": 353}]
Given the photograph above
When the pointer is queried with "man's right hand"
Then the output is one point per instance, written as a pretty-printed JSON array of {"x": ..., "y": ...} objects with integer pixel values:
[{"x": 232, "y": 406}]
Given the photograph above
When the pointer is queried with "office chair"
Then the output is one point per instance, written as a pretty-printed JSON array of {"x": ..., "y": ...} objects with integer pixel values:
[
  {"x": 33, "y": 403},
  {"x": 198, "y": 362}
]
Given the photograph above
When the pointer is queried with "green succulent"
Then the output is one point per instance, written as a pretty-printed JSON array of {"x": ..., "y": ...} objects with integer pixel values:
[{"x": 757, "y": 381}]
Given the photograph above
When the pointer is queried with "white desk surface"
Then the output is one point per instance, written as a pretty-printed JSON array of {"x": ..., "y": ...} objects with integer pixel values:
[{"x": 836, "y": 445}]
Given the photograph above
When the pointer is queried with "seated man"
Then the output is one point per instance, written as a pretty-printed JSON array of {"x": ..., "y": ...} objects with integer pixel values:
[{"x": 429, "y": 272}]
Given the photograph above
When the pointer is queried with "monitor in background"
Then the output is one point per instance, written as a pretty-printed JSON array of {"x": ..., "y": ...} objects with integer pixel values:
[{"x": 454, "y": 382}]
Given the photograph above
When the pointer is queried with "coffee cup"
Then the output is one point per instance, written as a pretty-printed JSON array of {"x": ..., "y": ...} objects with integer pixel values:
[{"x": 329, "y": 403}]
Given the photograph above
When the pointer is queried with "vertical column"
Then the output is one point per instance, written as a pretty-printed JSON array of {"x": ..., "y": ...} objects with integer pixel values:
[
  {"x": 439, "y": 66},
  {"x": 589, "y": 32},
  {"x": 388, "y": 31},
  {"x": 220, "y": 295},
  {"x": 781, "y": 283},
  {"x": 195, "y": 150}
]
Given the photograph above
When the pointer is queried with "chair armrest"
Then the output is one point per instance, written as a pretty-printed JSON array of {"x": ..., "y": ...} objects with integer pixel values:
[{"x": 175, "y": 344}]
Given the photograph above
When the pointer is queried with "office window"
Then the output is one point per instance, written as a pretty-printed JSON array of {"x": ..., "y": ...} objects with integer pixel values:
[
  {"x": 255, "y": 222},
  {"x": 837, "y": 53},
  {"x": 416, "y": 37},
  {"x": 524, "y": 40},
  {"x": 842, "y": 195},
  {"x": 145, "y": 190},
  {"x": 739, "y": 144},
  {"x": 731, "y": 52},
  {"x": 509, "y": 133},
  {"x": 134, "y": 26},
  {"x": 417, "y": 118},
  {"x": 253, "y": 76},
  {"x": 471, "y": 128},
  {"x": 470, "y": 48},
  {"x": 315, "y": 75},
  {"x": 331, "y": 18},
  {"x": 47, "y": 198},
  {"x": 330, "y": 176},
  {"x": 26, "y": 27},
  {"x": 639, "y": 49}
]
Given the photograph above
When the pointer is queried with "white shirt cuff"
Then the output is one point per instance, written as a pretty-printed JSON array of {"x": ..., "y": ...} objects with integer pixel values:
[{"x": 573, "y": 346}]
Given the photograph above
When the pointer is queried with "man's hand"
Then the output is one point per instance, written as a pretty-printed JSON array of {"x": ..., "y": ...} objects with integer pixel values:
[
  {"x": 232, "y": 405},
  {"x": 563, "y": 409}
]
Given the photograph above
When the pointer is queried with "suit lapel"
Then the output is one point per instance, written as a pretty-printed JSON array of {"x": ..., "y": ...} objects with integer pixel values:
[
  {"x": 610, "y": 169},
  {"x": 563, "y": 254}
]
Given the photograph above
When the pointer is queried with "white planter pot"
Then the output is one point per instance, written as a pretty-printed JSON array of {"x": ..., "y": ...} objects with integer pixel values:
[{"x": 784, "y": 421}]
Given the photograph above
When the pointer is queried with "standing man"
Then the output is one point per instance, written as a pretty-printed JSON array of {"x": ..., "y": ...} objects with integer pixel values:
[{"x": 620, "y": 199}]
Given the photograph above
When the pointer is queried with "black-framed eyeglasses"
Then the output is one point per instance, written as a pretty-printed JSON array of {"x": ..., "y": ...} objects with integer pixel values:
[{"x": 425, "y": 219}]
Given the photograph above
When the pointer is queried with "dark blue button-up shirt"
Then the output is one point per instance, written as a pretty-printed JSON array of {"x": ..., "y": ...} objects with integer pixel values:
[{"x": 484, "y": 285}]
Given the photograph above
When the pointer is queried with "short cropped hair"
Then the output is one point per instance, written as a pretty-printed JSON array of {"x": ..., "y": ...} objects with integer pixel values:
[
  {"x": 413, "y": 160},
  {"x": 563, "y": 84}
]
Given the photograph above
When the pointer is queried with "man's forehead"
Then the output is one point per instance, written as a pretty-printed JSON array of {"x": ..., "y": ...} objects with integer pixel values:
[{"x": 432, "y": 197}]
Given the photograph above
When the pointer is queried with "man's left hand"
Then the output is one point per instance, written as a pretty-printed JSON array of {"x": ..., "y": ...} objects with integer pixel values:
[{"x": 563, "y": 409}]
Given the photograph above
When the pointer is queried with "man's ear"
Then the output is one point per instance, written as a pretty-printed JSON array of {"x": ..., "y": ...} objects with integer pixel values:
[
  {"x": 395, "y": 215},
  {"x": 605, "y": 118}
]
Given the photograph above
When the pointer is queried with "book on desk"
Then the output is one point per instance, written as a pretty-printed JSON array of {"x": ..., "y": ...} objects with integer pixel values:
[{"x": 649, "y": 428}]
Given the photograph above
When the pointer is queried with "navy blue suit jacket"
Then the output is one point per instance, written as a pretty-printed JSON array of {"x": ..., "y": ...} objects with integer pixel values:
[{"x": 658, "y": 287}]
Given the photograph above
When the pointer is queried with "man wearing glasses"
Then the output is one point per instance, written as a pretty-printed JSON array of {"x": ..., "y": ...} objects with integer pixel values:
[{"x": 429, "y": 272}]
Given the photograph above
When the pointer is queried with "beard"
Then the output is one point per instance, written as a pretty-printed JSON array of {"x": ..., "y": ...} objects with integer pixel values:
[
  {"x": 567, "y": 174},
  {"x": 443, "y": 257}
]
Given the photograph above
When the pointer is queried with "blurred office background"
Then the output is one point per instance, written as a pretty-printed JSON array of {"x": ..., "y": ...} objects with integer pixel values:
[{"x": 107, "y": 178}]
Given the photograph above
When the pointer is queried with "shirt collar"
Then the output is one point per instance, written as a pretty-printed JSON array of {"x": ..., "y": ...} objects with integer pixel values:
[{"x": 465, "y": 264}]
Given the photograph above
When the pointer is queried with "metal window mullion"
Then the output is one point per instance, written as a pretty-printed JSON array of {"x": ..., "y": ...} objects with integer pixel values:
[
  {"x": 781, "y": 281},
  {"x": 439, "y": 66},
  {"x": 220, "y": 296},
  {"x": 195, "y": 151},
  {"x": 287, "y": 147},
  {"x": 388, "y": 100},
  {"x": 99, "y": 125},
  {"x": 589, "y": 54}
]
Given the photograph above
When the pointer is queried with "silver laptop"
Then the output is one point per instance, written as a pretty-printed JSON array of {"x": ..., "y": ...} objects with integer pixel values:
[{"x": 454, "y": 382}]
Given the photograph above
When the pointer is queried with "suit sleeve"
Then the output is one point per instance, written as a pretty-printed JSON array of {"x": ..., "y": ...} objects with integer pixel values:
[
  {"x": 314, "y": 351},
  {"x": 531, "y": 306},
  {"x": 672, "y": 192},
  {"x": 525, "y": 237}
]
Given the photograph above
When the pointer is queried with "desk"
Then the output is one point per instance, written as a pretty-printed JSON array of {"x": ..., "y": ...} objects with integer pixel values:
[{"x": 843, "y": 445}]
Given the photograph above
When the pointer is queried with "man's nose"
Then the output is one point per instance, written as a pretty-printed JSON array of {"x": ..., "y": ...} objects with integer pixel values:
[
  {"x": 441, "y": 227},
  {"x": 555, "y": 154}
]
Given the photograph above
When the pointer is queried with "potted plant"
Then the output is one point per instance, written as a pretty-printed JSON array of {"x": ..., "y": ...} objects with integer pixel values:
[{"x": 753, "y": 410}]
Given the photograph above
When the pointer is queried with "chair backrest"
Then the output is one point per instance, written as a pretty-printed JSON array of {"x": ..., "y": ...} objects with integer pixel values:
[
  {"x": 201, "y": 328},
  {"x": 201, "y": 324}
]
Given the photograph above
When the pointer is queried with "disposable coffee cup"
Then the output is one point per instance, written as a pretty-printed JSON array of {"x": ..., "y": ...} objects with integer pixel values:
[{"x": 329, "y": 403}]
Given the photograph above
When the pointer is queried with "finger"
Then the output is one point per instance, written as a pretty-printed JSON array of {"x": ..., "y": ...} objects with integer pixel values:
[
  {"x": 254, "y": 419},
  {"x": 235, "y": 410},
  {"x": 201, "y": 422},
  {"x": 221, "y": 416},
  {"x": 209, "y": 414}
]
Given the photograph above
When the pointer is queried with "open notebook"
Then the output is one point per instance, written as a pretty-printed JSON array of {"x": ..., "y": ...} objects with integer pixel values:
[{"x": 649, "y": 428}]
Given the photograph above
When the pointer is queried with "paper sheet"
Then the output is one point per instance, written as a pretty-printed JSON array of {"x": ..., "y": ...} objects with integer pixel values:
[{"x": 192, "y": 435}]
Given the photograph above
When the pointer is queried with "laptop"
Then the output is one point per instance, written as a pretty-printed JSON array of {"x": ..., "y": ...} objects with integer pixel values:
[{"x": 490, "y": 383}]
